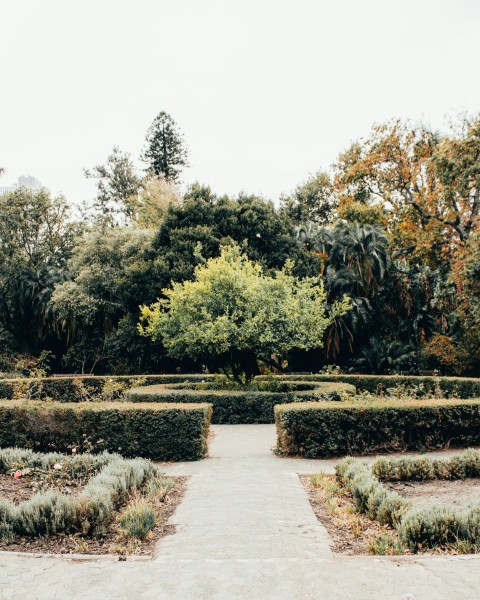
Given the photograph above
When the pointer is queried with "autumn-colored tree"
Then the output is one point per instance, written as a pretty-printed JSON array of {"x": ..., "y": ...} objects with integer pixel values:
[{"x": 428, "y": 184}]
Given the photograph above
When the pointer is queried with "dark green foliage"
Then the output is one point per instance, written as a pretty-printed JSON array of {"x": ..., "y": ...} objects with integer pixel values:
[
  {"x": 237, "y": 406},
  {"x": 165, "y": 152},
  {"x": 158, "y": 432},
  {"x": 333, "y": 429}
]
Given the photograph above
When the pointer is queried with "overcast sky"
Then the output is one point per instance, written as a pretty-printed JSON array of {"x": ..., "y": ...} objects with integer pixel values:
[{"x": 265, "y": 91}]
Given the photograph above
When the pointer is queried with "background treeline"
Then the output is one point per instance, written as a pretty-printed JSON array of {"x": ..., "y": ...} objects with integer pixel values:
[{"x": 394, "y": 225}]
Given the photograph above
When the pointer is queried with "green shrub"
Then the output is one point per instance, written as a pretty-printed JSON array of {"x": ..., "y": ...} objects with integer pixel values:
[
  {"x": 418, "y": 528},
  {"x": 238, "y": 405},
  {"x": 84, "y": 388},
  {"x": 51, "y": 512},
  {"x": 325, "y": 429},
  {"x": 159, "y": 432},
  {"x": 369, "y": 495},
  {"x": 429, "y": 527},
  {"x": 138, "y": 519},
  {"x": 454, "y": 387},
  {"x": 423, "y": 468}
]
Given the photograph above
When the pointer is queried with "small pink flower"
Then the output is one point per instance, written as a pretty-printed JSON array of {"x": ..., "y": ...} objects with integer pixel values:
[
  {"x": 17, "y": 474},
  {"x": 57, "y": 466}
]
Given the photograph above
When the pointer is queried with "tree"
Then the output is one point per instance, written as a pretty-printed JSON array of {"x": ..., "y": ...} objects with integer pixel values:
[
  {"x": 312, "y": 201},
  {"x": 353, "y": 261},
  {"x": 117, "y": 187},
  {"x": 155, "y": 196},
  {"x": 165, "y": 152},
  {"x": 108, "y": 279},
  {"x": 202, "y": 218},
  {"x": 427, "y": 182},
  {"x": 235, "y": 314},
  {"x": 36, "y": 239}
]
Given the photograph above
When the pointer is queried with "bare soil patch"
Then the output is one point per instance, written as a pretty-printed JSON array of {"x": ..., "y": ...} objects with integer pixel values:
[
  {"x": 111, "y": 542},
  {"x": 18, "y": 490},
  {"x": 439, "y": 492}
]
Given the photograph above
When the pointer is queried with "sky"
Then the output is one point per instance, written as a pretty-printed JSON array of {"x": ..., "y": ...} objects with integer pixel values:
[{"x": 265, "y": 91}]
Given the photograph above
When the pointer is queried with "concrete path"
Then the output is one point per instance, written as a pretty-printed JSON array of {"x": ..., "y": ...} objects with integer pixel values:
[{"x": 245, "y": 529}]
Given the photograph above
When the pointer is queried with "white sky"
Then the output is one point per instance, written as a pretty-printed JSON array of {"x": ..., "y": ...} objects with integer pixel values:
[{"x": 266, "y": 91}]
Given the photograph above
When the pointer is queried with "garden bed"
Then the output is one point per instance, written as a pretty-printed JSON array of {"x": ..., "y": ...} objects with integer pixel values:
[
  {"x": 87, "y": 504},
  {"x": 401, "y": 506}
]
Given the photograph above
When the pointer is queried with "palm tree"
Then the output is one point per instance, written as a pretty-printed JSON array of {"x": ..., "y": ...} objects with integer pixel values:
[{"x": 354, "y": 263}]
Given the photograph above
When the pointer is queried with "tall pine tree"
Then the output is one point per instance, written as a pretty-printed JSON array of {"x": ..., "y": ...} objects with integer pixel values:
[{"x": 165, "y": 152}]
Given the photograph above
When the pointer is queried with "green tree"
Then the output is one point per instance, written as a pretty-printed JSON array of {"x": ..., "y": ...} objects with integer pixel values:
[
  {"x": 203, "y": 218},
  {"x": 36, "y": 239},
  {"x": 117, "y": 187},
  {"x": 235, "y": 314},
  {"x": 165, "y": 152},
  {"x": 108, "y": 278},
  {"x": 313, "y": 201}
]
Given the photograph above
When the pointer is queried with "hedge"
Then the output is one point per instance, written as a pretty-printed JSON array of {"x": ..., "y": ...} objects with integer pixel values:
[
  {"x": 155, "y": 431},
  {"x": 233, "y": 406},
  {"x": 458, "y": 387},
  {"x": 80, "y": 388},
  {"x": 325, "y": 429},
  {"x": 83, "y": 387},
  {"x": 418, "y": 528}
]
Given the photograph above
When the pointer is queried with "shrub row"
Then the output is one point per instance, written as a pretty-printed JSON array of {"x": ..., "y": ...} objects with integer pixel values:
[
  {"x": 370, "y": 496},
  {"x": 159, "y": 432},
  {"x": 423, "y": 468},
  {"x": 53, "y": 512},
  {"x": 325, "y": 429},
  {"x": 418, "y": 528},
  {"x": 236, "y": 406},
  {"x": 454, "y": 387},
  {"x": 82, "y": 388}
]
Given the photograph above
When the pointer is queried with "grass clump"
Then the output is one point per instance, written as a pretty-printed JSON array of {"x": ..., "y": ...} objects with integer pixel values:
[{"x": 138, "y": 519}]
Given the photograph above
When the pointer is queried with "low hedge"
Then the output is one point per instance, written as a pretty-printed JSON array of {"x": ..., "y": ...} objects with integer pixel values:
[
  {"x": 325, "y": 429},
  {"x": 112, "y": 479},
  {"x": 237, "y": 406},
  {"x": 155, "y": 431},
  {"x": 418, "y": 528},
  {"x": 458, "y": 387},
  {"x": 83, "y": 387}
]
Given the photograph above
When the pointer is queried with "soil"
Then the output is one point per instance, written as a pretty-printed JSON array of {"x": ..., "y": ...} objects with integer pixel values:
[
  {"x": 459, "y": 492},
  {"x": 344, "y": 541},
  {"x": 112, "y": 542},
  {"x": 18, "y": 490}
]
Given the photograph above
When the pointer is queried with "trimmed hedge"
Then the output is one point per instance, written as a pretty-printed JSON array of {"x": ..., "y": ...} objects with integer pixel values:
[
  {"x": 155, "y": 431},
  {"x": 458, "y": 387},
  {"x": 84, "y": 387},
  {"x": 237, "y": 406},
  {"x": 325, "y": 429}
]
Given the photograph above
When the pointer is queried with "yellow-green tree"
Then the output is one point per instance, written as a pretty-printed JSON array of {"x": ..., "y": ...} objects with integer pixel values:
[{"x": 236, "y": 315}]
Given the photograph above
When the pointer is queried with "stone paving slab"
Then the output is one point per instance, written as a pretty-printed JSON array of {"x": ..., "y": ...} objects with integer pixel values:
[{"x": 245, "y": 529}]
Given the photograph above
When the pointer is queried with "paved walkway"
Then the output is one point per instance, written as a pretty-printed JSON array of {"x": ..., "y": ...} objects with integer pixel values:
[{"x": 245, "y": 529}]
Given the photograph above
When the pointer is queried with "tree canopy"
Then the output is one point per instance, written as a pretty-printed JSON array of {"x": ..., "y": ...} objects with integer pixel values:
[{"x": 235, "y": 314}]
